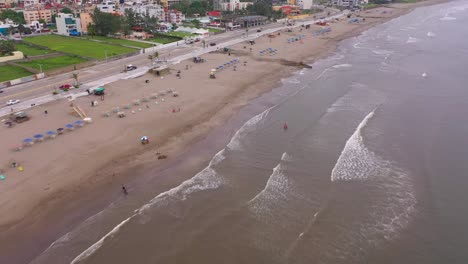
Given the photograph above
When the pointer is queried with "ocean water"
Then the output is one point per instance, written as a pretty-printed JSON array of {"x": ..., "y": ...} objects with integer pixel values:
[{"x": 372, "y": 167}]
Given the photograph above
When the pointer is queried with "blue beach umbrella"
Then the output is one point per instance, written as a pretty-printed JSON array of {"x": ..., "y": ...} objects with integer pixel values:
[
  {"x": 38, "y": 136},
  {"x": 50, "y": 133},
  {"x": 69, "y": 126},
  {"x": 79, "y": 122},
  {"x": 28, "y": 140}
]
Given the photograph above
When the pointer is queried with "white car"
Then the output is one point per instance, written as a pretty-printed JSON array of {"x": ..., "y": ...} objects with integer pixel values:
[{"x": 12, "y": 102}]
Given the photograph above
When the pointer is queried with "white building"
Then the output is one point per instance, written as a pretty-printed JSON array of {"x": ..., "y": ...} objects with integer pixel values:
[
  {"x": 305, "y": 4},
  {"x": 28, "y": 3},
  {"x": 230, "y": 5},
  {"x": 67, "y": 24},
  {"x": 107, "y": 6},
  {"x": 153, "y": 10},
  {"x": 345, "y": 2}
]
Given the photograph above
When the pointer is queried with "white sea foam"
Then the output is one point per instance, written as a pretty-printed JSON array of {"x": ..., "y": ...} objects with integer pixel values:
[
  {"x": 345, "y": 65},
  {"x": 431, "y": 34},
  {"x": 249, "y": 126},
  {"x": 382, "y": 52},
  {"x": 293, "y": 80},
  {"x": 355, "y": 161},
  {"x": 286, "y": 157},
  {"x": 448, "y": 18},
  {"x": 412, "y": 40},
  {"x": 204, "y": 180},
  {"x": 88, "y": 252}
]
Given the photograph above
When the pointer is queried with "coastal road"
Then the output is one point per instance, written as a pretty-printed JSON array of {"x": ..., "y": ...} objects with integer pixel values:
[{"x": 41, "y": 90}]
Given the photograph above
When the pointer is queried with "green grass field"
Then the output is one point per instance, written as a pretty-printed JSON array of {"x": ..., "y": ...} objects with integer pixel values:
[
  {"x": 214, "y": 30},
  {"x": 30, "y": 50},
  {"x": 53, "y": 63},
  {"x": 77, "y": 46},
  {"x": 180, "y": 34},
  {"x": 8, "y": 72},
  {"x": 163, "y": 39},
  {"x": 121, "y": 41}
]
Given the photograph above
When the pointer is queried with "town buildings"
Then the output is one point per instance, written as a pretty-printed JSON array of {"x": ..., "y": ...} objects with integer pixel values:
[
  {"x": 86, "y": 19},
  {"x": 68, "y": 25},
  {"x": 230, "y": 5},
  {"x": 304, "y": 4},
  {"x": 37, "y": 14}
]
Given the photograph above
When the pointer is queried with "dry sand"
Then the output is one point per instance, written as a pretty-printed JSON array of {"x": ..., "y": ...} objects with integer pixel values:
[{"x": 104, "y": 152}]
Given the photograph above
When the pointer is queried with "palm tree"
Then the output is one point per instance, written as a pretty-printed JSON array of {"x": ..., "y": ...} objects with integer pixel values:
[{"x": 75, "y": 76}]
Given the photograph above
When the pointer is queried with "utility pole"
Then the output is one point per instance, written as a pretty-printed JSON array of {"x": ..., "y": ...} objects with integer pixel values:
[
  {"x": 105, "y": 53},
  {"x": 40, "y": 67}
]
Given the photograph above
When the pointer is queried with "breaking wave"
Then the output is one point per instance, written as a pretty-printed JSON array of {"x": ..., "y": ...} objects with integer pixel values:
[
  {"x": 431, "y": 34},
  {"x": 412, "y": 40},
  {"x": 249, "y": 126},
  {"x": 345, "y": 65}
]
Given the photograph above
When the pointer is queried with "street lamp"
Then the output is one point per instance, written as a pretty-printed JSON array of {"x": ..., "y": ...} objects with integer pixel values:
[
  {"x": 40, "y": 67},
  {"x": 105, "y": 53}
]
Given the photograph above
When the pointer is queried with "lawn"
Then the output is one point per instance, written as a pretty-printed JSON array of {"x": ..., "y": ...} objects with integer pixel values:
[
  {"x": 53, "y": 63},
  {"x": 164, "y": 39},
  {"x": 180, "y": 34},
  {"x": 77, "y": 46},
  {"x": 121, "y": 41},
  {"x": 8, "y": 72},
  {"x": 215, "y": 30},
  {"x": 30, "y": 50}
]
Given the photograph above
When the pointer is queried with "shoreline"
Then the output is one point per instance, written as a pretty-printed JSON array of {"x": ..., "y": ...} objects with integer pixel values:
[{"x": 101, "y": 191}]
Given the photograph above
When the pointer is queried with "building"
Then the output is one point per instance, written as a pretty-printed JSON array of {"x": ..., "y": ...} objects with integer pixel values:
[
  {"x": 153, "y": 10},
  {"x": 68, "y": 25},
  {"x": 304, "y": 4},
  {"x": 6, "y": 3},
  {"x": 345, "y": 2},
  {"x": 230, "y": 5},
  {"x": 174, "y": 16},
  {"x": 30, "y": 3},
  {"x": 86, "y": 19},
  {"x": 288, "y": 9},
  {"x": 36, "y": 15},
  {"x": 88, "y": 8},
  {"x": 107, "y": 6}
]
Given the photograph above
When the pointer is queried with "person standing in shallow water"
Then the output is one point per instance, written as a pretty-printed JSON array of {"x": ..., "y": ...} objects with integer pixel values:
[{"x": 124, "y": 190}]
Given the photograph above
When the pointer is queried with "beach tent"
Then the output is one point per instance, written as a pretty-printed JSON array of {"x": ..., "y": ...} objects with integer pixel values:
[
  {"x": 99, "y": 91},
  {"x": 39, "y": 137}
]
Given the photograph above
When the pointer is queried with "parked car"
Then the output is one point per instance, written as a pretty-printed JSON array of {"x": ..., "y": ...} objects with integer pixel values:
[
  {"x": 212, "y": 44},
  {"x": 12, "y": 102},
  {"x": 65, "y": 86},
  {"x": 131, "y": 67},
  {"x": 259, "y": 30}
]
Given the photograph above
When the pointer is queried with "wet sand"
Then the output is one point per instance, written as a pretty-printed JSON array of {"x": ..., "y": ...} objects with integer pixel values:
[{"x": 72, "y": 176}]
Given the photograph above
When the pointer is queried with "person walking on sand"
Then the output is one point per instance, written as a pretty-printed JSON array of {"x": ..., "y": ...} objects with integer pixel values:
[{"x": 124, "y": 190}]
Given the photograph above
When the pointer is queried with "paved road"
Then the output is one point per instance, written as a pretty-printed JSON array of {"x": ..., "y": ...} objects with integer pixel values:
[{"x": 40, "y": 91}]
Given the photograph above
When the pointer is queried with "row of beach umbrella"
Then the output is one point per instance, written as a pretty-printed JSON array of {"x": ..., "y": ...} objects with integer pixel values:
[
  {"x": 322, "y": 31},
  {"x": 296, "y": 38},
  {"x": 227, "y": 64},
  {"x": 269, "y": 51},
  {"x": 51, "y": 133}
]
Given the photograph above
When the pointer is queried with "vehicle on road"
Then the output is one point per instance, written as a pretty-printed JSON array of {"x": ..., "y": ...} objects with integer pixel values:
[
  {"x": 131, "y": 67},
  {"x": 19, "y": 117},
  {"x": 13, "y": 102},
  {"x": 259, "y": 30},
  {"x": 212, "y": 44},
  {"x": 65, "y": 86}
]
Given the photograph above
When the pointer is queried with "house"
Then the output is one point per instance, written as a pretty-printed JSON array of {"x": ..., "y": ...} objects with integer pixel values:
[
  {"x": 345, "y": 2},
  {"x": 304, "y": 4},
  {"x": 107, "y": 7},
  {"x": 230, "y": 5},
  {"x": 153, "y": 10},
  {"x": 174, "y": 16},
  {"x": 86, "y": 19},
  {"x": 36, "y": 15},
  {"x": 288, "y": 9},
  {"x": 68, "y": 25}
]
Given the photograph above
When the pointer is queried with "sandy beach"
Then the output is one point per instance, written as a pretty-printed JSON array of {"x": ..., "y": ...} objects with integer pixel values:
[{"x": 88, "y": 162}]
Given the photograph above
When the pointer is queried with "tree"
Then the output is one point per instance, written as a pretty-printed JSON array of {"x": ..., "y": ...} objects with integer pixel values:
[
  {"x": 105, "y": 23},
  {"x": 66, "y": 10},
  {"x": 6, "y": 47},
  {"x": 75, "y": 76},
  {"x": 91, "y": 30},
  {"x": 16, "y": 17},
  {"x": 196, "y": 23}
]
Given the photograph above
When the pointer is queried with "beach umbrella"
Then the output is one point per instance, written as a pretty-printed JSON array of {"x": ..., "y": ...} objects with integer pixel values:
[
  {"x": 38, "y": 136},
  {"x": 28, "y": 140},
  {"x": 51, "y": 134},
  {"x": 69, "y": 126},
  {"x": 60, "y": 130},
  {"x": 79, "y": 122},
  {"x": 2, "y": 177}
]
